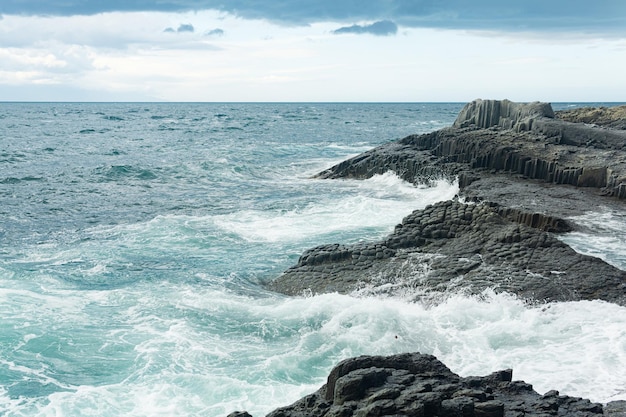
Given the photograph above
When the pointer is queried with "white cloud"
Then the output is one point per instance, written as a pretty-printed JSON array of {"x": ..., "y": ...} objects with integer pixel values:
[{"x": 119, "y": 56}]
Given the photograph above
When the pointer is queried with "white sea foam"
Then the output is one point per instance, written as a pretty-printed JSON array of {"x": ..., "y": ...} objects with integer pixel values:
[
  {"x": 604, "y": 238},
  {"x": 190, "y": 350},
  {"x": 379, "y": 203}
]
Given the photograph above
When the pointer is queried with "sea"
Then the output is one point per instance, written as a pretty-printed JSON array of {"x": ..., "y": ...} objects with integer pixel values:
[{"x": 137, "y": 239}]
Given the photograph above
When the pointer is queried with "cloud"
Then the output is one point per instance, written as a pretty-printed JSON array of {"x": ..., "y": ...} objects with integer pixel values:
[
  {"x": 602, "y": 16},
  {"x": 110, "y": 31},
  {"x": 214, "y": 32},
  {"x": 186, "y": 27},
  {"x": 381, "y": 28}
]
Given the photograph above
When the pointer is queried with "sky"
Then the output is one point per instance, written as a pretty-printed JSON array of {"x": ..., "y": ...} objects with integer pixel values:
[{"x": 312, "y": 50}]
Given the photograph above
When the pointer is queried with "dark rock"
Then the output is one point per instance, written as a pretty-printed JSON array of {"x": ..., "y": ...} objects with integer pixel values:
[
  {"x": 239, "y": 414},
  {"x": 463, "y": 246},
  {"x": 353, "y": 385},
  {"x": 431, "y": 390},
  {"x": 457, "y": 407},
  {"x": 489, "y": 409},
  {"x": 522, "y": 171},
  {"x": 615, "y": 409},
  {"x": 525, "y": 180},
  {"x": 510, "y": 138}
]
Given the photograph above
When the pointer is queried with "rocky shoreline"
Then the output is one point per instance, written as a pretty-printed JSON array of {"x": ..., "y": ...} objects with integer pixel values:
[
  {"x": 523, "y": 170},
  {"x": 521, "y": 173}
]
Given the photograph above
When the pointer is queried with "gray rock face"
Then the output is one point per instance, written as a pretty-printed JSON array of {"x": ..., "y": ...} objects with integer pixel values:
[
  {"x": 468, "y": 152},
  {"x": 540, "y": 118},
  {"x": 420, "y": 385},
  {"x": 505, "y": 114}
]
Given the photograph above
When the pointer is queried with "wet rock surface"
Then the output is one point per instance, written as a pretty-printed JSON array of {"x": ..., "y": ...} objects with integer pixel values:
[
  {"x": 420, "y": 385},
  {"x": 521, "y": 173}
]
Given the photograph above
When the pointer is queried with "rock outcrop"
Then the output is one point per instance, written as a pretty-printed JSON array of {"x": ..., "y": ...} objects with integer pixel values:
[
  {"x": 540, "y": 118},
  {"x": 506, "y": 138},
  {"x": 420, "y": 385},
  {"x": 451, "y": 246},
  {"x": 611, "y": 117},
  {"x": 505, "y": 114},
  {"x": 518, "y": 182}
]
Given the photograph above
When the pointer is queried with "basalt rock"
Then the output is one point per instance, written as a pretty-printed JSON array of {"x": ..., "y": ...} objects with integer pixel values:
[
  {"x": 420, "y": 385},
  {"x": 577, "y": 155},
  {"x": 521, "y": 173},
  {"x": 611, "y": 117},
  {"x": 524, "y": 172},
  {"x": 503, "y": 113},
  {"x": 450, "y": 246},
  {"x": 540, "y": 118}
]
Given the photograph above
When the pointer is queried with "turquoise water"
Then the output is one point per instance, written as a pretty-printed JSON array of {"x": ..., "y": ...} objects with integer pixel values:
[{"x": 135, "y": 240}]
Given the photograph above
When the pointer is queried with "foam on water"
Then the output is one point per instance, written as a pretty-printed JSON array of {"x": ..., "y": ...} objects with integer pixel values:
[
  {"x": 604, "y": 237},
  {"x": 378, "y": 204},
  {"x": 189, "y": 350}
]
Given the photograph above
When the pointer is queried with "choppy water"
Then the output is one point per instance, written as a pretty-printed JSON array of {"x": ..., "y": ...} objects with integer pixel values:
[{"x": 135, "y": 239}]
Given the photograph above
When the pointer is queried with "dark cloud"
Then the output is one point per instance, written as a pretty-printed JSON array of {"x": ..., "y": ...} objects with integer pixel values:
[
  {"x": 181, "y": 29},
  {"x": 214, "y": 32},
  {"x": 382, "y": 28},
  {"x": 185, "y": 28},
  {"x": 544, "y": 15}
]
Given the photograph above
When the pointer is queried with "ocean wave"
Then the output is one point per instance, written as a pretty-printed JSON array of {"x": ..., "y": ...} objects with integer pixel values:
[
  {"x": 603, "y": 235},
  {"x": 120, "y": 172},
  {"x": 378, "y": 203}
]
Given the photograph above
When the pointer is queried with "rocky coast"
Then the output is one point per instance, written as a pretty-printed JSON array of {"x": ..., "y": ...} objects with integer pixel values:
[{"x": 523, "y": 172}]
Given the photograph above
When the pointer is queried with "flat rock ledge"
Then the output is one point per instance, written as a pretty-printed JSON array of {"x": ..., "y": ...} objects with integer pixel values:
[
  {"x": 522, "y": 173},
  {"x": 415, "y": 384}
]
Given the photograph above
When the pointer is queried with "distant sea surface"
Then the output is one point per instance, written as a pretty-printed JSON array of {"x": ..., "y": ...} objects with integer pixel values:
[{"x": 135, "y": 240}]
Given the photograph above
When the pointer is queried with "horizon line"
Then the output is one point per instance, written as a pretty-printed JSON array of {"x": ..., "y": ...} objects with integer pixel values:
[{"x": 276, "y": 102}]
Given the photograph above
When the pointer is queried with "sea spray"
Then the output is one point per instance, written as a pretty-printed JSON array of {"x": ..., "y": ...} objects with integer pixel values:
[
  {"x": 375, "y": 204},
  {"x": 197, "y": 351},
  {"x": 603, "y": 235}
]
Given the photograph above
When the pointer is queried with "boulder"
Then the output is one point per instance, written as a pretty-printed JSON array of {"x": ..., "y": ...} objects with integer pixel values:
[{"x": 414, "y": 384}]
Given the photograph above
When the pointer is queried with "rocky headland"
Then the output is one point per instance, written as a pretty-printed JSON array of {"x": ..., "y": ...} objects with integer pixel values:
[
  {"x": 523, "y": 170},
  {"x": 522, "y": 173}
]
